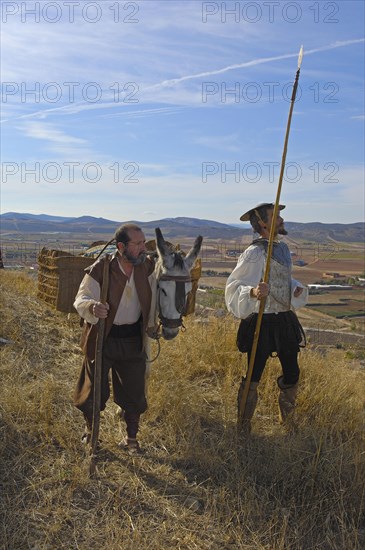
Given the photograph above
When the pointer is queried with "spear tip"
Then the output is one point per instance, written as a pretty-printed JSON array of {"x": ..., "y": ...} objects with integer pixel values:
[{"x": 300, "y": 57}]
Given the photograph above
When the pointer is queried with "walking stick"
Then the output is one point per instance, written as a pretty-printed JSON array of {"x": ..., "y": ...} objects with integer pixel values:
[
  {"x": 243, "y": 398},
  {"x": 97, "y": 373}
]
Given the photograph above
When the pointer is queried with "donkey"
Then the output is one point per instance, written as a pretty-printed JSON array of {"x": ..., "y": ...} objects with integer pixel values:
[{"x": 173, "y": 283}]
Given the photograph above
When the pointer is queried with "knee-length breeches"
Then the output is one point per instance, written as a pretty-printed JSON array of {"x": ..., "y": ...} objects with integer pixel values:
[
  {"x": 280, "y": 333},
  {"x": 126, "y": 360}
]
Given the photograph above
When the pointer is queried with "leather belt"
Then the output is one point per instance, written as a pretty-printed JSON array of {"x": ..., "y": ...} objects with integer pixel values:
[{"x": 125, "y": 331}]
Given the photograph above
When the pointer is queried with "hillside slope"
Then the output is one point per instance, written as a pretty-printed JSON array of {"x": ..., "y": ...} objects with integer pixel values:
[{"x": 197, "y": 487}]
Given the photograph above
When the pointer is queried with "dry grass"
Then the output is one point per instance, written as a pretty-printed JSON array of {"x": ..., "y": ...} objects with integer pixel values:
[{"x": 196, "y": 487}]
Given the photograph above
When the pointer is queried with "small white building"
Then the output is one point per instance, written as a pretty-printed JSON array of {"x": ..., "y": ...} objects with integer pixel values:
[{"x": 329, "y": 287}]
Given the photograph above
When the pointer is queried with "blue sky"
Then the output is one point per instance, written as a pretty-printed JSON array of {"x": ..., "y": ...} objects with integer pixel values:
[{"x": 150, "y": 109}]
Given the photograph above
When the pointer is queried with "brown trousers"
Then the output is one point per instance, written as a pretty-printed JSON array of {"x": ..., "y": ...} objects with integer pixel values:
[{"x": 127, "y": 362}]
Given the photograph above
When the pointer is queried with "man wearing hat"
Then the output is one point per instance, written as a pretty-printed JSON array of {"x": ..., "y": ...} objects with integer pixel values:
[{"x": 281, "y": 332}]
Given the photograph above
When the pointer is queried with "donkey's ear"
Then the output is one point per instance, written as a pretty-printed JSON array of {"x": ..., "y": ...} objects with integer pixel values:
[
  {"x": 193, "y": 252},
  {"x": 161, "y": 245}
]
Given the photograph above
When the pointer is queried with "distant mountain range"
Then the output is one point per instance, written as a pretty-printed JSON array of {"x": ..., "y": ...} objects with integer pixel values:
[{"x": 14, "y": 222}]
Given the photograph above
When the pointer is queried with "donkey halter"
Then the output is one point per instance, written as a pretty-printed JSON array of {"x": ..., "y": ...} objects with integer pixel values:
[{"x": 180, "y": 301}]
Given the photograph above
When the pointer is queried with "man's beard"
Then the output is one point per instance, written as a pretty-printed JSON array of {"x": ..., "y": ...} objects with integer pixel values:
[
  {"x": 141, "y": 258},
  {"x": 282, "y": 230}
]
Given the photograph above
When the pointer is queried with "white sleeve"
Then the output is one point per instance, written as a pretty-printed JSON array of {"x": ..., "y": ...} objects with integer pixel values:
[
  {"x": 245, "y": 276},
  {"x": 301, "y": 300},
  {"x": 87, "y": 295}
]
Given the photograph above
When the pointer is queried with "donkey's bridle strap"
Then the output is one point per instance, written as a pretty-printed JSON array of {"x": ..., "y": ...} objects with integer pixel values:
[{"x": 170, "y": 323}]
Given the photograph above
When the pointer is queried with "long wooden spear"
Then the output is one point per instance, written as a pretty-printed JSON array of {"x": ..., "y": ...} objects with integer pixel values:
[
  {"x": 97, "y": 373},
  {"x": 243, "y": 399}
]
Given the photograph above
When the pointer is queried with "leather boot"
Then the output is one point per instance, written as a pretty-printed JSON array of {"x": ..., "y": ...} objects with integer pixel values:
[
  {"x": 132, "y": 421},
  {"x": 250, "y": 406},
  {"x": 287, "y": 398}
]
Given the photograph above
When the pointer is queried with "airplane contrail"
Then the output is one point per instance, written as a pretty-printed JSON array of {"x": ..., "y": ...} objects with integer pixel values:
[
  {"x": 253, "y": 62},
  {"x": 72, "y": 109}
]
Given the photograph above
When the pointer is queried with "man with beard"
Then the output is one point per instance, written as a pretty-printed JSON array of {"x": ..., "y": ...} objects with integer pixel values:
[
  {"x": 280, "y": 329},
  {"x": 129, "y": 314}
]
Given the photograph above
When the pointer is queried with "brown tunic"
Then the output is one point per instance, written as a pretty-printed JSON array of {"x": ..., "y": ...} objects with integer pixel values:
[{"x": 117, "y": 282}]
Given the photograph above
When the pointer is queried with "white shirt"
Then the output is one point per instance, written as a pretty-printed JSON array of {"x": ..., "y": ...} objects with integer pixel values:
[
  {"x": 245, "y": 276},
  {"x": 129, "y": 309}
]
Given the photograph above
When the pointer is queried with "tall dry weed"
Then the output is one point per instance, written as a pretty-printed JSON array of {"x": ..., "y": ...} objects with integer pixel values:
[{"x": 198, "y": 485}]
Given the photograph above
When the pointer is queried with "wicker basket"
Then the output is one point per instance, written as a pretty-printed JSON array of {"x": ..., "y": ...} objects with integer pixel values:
[
  {"x": 59, "y": 278},
  {"x": 60, "y": 275}
]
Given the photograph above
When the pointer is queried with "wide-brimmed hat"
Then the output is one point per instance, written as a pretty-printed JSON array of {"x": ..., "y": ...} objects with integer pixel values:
[{"x": 246, "y": 216}]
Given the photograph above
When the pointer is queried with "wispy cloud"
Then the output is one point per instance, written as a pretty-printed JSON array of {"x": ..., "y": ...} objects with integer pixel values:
[
  {"x": 142, "y": 113},
  {"x": 156, "y": 93},
  {"x": 59, "y": 142},
  {"x": 258, "y": 61},
  {"x": 220, "y": 143},
  {"x": 49, "y": 133}
]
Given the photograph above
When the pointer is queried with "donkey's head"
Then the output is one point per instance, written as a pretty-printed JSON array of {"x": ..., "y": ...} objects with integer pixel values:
[{"x": 174, "y": 283}]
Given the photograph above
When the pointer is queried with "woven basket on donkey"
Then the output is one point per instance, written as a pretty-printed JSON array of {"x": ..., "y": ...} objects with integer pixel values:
[
  {"x": 59, "y": 278},
  {"x": 195, "y": 274}
]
